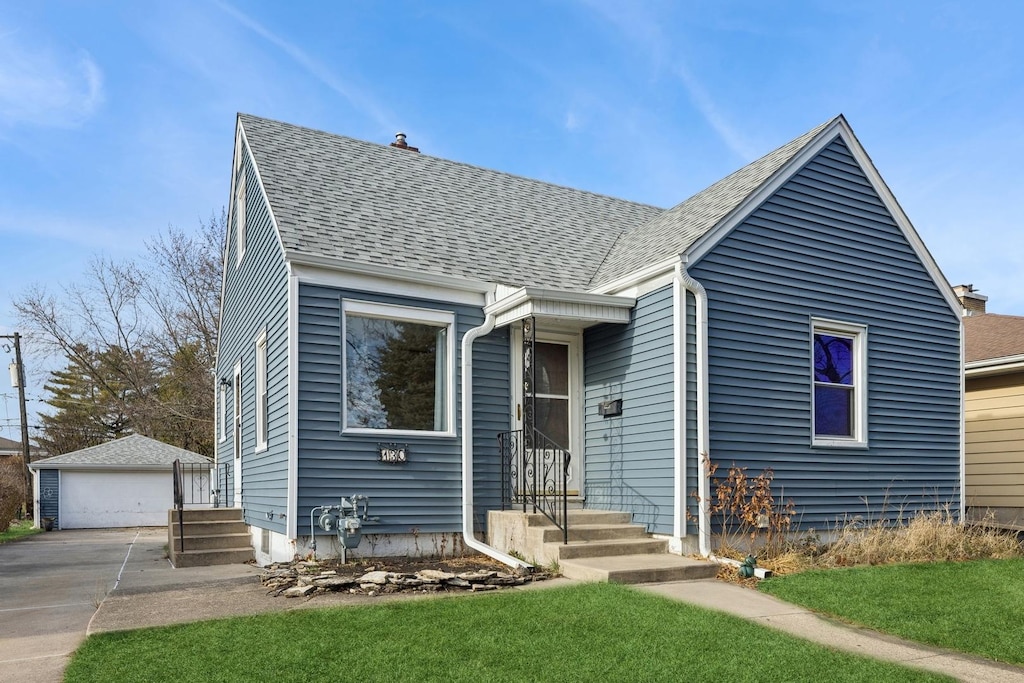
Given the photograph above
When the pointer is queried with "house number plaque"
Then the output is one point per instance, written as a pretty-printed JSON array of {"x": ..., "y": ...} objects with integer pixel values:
[{"x": 393, "y": 452}]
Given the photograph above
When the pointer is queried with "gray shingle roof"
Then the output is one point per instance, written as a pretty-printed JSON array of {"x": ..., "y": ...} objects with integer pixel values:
[
  {"x": 673, "y": 231},
  {"x": 129, "y": 451},
  {"x": 373, "y": 204}
]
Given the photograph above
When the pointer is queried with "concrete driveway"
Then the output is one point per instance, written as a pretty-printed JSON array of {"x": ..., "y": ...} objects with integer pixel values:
[{"x": 51, "y": 585}]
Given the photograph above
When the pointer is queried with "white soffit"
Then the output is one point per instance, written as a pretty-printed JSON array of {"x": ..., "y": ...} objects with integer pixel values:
[{"x": 577, "y": 308}]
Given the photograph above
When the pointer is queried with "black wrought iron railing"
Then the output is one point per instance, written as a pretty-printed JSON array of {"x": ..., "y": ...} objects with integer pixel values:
[
  {"x": 179, "y": 502},
  {"x": 222, "y": 495},
  {"x": 534, "y": 474}
]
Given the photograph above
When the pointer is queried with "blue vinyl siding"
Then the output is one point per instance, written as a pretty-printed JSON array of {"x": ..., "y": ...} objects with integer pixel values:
[
  {"x": 49, "y": 495},
  {"x": 256, "y": 298},
  {"x": 825, "y": 246},
  {"x": 423, "y": 495},
  {"x": 629, "y": 459}
]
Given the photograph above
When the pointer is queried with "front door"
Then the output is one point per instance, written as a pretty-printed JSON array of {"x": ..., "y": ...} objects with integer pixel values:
[{"x": 557, "y": 396}]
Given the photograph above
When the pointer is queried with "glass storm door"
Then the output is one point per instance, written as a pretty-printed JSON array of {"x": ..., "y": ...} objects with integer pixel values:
[{"x": 555, "y": 399}]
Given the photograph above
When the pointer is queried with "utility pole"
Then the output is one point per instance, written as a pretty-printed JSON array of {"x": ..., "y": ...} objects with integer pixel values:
[{"x": 18, "y": 380}]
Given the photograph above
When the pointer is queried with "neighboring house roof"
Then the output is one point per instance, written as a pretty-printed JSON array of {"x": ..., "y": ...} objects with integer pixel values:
[
  {"x": 991, "y": 336},
  {"x": 129, "y": 452},
  {"x": 10, "y": 446},
  {"x": 338, "y": 197}
]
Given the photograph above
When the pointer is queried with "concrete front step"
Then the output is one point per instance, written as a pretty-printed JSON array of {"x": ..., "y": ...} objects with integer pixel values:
[
  {"x": 647, "y": 568},
  {"x": 210, "y": 528},
  {"x": 579, "y": 549},
  {"x": 587, "y": 532},
  {"x": 207, "y": 515},
  {"x": 205, "y": 558},
  {"x": 578, "y": 517},
  {"x": 215, "y": 542}
]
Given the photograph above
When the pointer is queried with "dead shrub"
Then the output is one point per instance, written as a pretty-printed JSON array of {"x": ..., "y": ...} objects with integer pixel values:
[
  {"x": 749, "y": 519},
  {"x": 12, "y": 489}
]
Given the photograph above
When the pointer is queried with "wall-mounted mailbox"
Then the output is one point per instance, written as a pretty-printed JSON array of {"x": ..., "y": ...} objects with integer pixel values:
[
  {"x": 394, "y": 453},
  {"x": 612, "y": 408}
]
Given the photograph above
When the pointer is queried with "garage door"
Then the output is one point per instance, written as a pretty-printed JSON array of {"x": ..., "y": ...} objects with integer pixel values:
[{"x": 93, "y": 500}]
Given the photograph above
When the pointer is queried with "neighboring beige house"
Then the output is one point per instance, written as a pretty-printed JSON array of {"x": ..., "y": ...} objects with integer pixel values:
[{"x": 994, "y": 412}]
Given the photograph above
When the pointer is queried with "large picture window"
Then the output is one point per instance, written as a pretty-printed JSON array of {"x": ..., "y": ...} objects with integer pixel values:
[
  {"x": 840, "y": 383},
  {"x": 397, "y": 366}
]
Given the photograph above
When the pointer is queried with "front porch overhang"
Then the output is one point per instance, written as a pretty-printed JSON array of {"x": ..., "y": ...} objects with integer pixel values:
[{"x": 561, "y": 307}]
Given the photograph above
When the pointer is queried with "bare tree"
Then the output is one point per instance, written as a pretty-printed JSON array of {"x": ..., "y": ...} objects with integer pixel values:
[{"x": 143, "y": 332}]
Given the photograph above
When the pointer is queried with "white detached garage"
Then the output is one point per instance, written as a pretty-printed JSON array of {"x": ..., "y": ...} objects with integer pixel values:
[{"x": 121, "y": 483}]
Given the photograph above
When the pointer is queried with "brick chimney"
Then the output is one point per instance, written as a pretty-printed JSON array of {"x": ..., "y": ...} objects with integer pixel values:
[
  {"x": 972, "y": 302},
  {"x": 400, "y": 143}
]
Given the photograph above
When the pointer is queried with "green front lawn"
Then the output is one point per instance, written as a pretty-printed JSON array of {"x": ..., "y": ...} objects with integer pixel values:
[
  {"x": 975, "y": 607},
  {"x": 18, "y": 530},
  {"x": 589, "y": 632}
]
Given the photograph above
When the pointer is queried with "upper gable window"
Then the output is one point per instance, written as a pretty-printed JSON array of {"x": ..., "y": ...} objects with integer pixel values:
[
  {"x": 839, "y": 402},
  {"x": 397, "y": 364},
  {"x": 240, "y": 217}
]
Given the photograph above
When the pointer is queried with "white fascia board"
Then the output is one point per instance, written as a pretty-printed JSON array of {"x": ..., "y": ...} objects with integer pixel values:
[
  {"x": 838, "y": 129},
  {"x": 334, "y": 272},
  {"x": 710, "y": 239},
  {"x": 994, "y": 366},
  {"x": 637, "y": 279},
  {"x": 241, "y": 145},
  {"x": 583, "y": 307}
]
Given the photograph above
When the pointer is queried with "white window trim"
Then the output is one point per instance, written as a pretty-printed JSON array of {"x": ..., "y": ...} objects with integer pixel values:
[
  {"x": 410, "y": 314},
  {"x": 261, "y": 404},
  {"x": 223, "y": 408},
  {"x": 240, "y": 218},
  {"x": 859, "y": 334}
]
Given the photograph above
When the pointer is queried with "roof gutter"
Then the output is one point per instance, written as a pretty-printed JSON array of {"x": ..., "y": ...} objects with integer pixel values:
[
  {"x": 467, "y": 448},
  {"x": 994, "y": 366},
  {"x": 700, "y": 296}
]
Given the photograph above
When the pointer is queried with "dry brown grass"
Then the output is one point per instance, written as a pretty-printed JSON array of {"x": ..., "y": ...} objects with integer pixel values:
[{"x": 927, "y": 537}]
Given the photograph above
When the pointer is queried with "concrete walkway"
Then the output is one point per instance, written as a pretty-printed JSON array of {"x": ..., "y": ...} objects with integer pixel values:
[{"x": 797, "y": 621}]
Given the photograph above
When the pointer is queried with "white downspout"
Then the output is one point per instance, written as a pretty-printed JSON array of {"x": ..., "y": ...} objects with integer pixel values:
[
  {"x": 703, "y": 441},
  {"x": 467, "y": 448}
]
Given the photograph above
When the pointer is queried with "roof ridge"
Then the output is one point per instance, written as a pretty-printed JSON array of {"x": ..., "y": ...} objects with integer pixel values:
[{"x": 463, "y": 164}]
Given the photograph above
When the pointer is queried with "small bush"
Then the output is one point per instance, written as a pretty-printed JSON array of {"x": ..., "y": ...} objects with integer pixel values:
[{"x": 12, "y": 489}]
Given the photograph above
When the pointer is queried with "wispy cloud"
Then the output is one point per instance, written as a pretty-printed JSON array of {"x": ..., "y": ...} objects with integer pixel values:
[
  {"x": 319, "y": 71},
  {"x": 43, "y": 87},
  {"x": 711, "y": 113},
  {"x": 644, "y": 31}
]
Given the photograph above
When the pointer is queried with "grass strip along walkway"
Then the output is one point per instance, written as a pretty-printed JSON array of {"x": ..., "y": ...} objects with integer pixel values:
[
  {"x": 589, "y": 632},
  {"x": 18, "y": 530},
  {"x": 975, "y": 607}
]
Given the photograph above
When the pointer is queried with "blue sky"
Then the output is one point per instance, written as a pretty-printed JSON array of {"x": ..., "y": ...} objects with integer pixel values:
[{"x": 116, "y": 117}]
